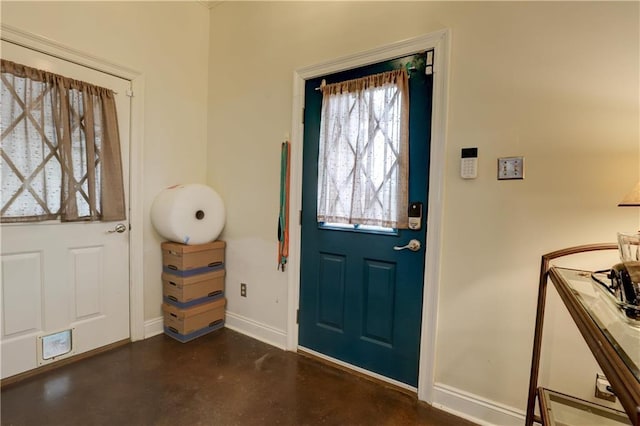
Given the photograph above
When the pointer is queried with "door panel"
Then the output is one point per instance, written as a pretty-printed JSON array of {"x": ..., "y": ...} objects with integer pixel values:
[
  {"x": 379, "y": 288},
  {"x": 331, "y": 291},
  {"x": 360, "y": 300},
  {"x": 21, "y": 279},
  {"x": 58, "y": 276},
  {"x": 87, "y": 281}
]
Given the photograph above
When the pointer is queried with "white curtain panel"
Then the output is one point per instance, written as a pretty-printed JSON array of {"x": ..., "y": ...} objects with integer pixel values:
[{"x": 363, "y": 165}]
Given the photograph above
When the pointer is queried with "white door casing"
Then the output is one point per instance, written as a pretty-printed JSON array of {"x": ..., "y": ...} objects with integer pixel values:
[
  {"x": 58, "y": 276},
  {"x": 136, "y": 194}
]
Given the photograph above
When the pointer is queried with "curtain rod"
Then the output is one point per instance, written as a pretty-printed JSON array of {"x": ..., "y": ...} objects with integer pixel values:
[{"x": 411, "y": 68}]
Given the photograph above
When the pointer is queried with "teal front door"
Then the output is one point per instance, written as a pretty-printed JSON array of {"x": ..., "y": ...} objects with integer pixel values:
[{"x": 361, "y": 300}]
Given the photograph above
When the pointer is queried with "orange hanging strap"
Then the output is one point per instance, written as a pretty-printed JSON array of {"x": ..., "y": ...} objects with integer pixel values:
[{"x": 283, "y": 219}]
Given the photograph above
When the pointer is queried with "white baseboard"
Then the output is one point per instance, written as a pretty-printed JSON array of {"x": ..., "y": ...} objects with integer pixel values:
[
  {"x": 153, "y": 327},
  {"x": 257, "y": 330},
  {"x": 475, "y": 408}
]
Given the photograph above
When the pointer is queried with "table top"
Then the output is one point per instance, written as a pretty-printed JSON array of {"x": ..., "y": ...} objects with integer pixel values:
[
  {"x": 621, "y": 331},
  {"x": 563, "y": 410}
]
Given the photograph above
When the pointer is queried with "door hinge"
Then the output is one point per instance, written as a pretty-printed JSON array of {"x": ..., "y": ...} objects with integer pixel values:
[
  {"x": 300, "y": 218},
  {"x": 428, "y": 70},
  {"x": 297, "y": 316},
  {"x": 429, "y": 58},
  {"x": 302, "y": 115},
  {"x": 129, "y": 93}
]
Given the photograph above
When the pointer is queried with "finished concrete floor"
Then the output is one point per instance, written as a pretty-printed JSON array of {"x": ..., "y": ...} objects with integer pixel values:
[{"x": 223, "y": 378}]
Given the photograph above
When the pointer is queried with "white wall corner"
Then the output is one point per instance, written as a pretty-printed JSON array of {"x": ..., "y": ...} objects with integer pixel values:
[
  {"x": 153, "y": 327},
  {"x": 474, "y": 408},
  {"x": 295, "y": 206},
  {"x": 136, "y": 208},
  {"x": 209, "y": 4},
  {"x": 257, "y": 330}
]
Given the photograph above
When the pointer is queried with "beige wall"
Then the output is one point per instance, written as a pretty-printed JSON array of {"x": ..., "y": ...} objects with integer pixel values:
[
  {"x": 555, "y": 82},
  {"x": 168, "y": 44}
]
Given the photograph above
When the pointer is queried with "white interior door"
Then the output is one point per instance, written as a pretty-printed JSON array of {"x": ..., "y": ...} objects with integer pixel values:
[{"x": 64, "y": 276}]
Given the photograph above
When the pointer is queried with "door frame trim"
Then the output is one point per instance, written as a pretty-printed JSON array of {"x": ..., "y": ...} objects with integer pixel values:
[
  {"x": 136, "y": 138},
  {"x": 440, "y": 42}
]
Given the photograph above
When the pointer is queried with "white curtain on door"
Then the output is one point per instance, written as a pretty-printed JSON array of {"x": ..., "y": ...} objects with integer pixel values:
[{"x": 363, "y": 163}]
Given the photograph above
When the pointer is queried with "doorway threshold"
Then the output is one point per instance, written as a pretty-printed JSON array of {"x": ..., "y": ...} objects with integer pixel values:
[{"x": 359, "y": 372}]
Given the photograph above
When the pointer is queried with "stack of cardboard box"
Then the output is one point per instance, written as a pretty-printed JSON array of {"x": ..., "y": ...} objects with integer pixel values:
[{"x": 193, "y": 289}]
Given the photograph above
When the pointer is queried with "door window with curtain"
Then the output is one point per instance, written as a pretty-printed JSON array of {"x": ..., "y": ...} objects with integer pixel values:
[
  {"x": 364, "y": 152},
  {"x": 59, "y": 148}
]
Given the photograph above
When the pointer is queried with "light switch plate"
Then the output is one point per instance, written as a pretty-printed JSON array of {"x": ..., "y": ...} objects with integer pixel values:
[{"x": 510, "y": 168}]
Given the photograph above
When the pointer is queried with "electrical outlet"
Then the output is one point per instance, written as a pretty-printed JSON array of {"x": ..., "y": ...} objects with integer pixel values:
[
  {"x": 603, "y": 389},
  {"x": 243, "y": 290}
]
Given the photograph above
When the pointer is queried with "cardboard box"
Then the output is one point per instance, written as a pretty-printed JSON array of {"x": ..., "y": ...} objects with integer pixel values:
[
  {"x": 189, "y": 337},
  {"x": 184, "y": 260},
  {"x": 185, "y": 292},
  {"x": 187, "y": 324}
]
